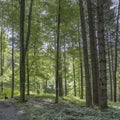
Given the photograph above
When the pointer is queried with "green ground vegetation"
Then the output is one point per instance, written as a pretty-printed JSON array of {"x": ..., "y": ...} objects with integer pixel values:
[{"x": 42, "y": 107}]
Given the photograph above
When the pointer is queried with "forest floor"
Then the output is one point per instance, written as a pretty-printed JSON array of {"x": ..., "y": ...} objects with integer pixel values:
[
  {"x": 8, "y": 111},
  {"x": 43, "y": 108},
  {"x": 68, "y": 108}
]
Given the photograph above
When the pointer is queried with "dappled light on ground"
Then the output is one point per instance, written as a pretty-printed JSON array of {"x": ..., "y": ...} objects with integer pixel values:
[{"x": 44, "y": 108}]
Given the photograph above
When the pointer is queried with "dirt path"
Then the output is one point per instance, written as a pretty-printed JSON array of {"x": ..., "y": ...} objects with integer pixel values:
[{"x": 8, "y": 111}]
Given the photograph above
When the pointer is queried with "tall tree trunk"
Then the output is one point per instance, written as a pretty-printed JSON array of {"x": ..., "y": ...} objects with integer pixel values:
[
  {"x": 110, "y": 72},
  {"x": 27, "y": 45},
  {"x": 85, "y": 50},
  {"x": 22, "y": 51},
  {"x": 81, "y": 64},
  {"x": 116, "y": 54},
  {"x": 81, "y": 68},
  {"x": 60, "y": 77},
  {"x": 58, "y": 54},
  {"x": 102, "y": 57},
  {"x": 112, "y": 58},
  {"x": 28, "y": 75},
  {"x": 93, "y": 49},
  {"x": 65, "y": 79},
  {"x": 74, "y": 76},
  {"x": 2, "y": 51},
  {"x": 29, "y": 27},
  {"x": 12, "y": 85}
]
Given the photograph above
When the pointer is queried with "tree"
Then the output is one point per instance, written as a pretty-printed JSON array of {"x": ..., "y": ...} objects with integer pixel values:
[
  {"x": 27, "y": 45},
  {"x": 93, "y": 49},
  {"x": 22, "y": 51},
  {"x": 58, "y": 53},
  {"x": 110, "y": 70},
  {"x": 85, "y": 50},
  {"x": 81, "y": 66},
  {"x": 2, "y": 61},
  {"x": 102, "y": 57},
  {"x": 12, "y": 85},
  {"x": 65, "y": 68},
  {"x": 74, "y": 75},
  {"x": 116, "y": 54}
]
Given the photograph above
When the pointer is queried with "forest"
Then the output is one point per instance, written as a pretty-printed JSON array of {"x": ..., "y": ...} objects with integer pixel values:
[{"x": 59, "y": 60}]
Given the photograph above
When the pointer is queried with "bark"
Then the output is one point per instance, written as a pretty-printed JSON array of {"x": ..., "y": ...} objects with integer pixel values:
[
  {"x": 116, "y": 55},
  {"x": 27, "y": 45},
  {"x": 85, "y": 51},
  {"x": 12, "y": 85},
  {"x": 74, "y": 76},
  {"x": 58, "y": 55},
  {"x": 102, "y": 57},
  {"x": 60, "y": 77},
  {"x": 2, "y": 52},
  {"x": 28, "y": 75},
  {"x": 93, "y": 51},
  {"x": 22, "y": 51},
  {"x": 112, "y": 57},
  {"x": 81, "y": 65},
  {"x": 29, "y": 26},
  {"x": 65, "y": 79},
  {"x": 110, "y": 72}
]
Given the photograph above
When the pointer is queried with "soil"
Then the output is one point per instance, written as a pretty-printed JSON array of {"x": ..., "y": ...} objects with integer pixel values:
[{"x": 8, "y": 111}]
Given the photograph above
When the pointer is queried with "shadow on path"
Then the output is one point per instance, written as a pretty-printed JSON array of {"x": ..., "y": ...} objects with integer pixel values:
[{"x": 8, "y": 111}]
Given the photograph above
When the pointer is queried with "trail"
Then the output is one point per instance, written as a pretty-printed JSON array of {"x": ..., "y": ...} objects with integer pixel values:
[{"x": 8, "y": 111}]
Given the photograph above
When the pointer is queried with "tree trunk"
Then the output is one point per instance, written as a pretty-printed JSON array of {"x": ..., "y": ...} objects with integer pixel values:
[
  {"x": 74, "y": 74},
  {"x": 60, "y": 77},
  {"x": 58, "y": 54},
  {"x": 1, "y": 62},
  {"x": 116, "y": 54},
  {"x": 85, "y": 50},
  {"x": 28, "y": 76},
  {"x": 81, "y": 65},
  {"x": 102, "y": 57},
  {"x": 65, "y": 79},
  {"x": 22, "y": 51},
  {"x": 112, "y": 57},
  {"x": 110, "y": 72},
  {"x": 2, "y": 51},
  {"x": 81, "y": 68},
  {"x": 74, "y": 77},
  {"x": 27, "y": 45},
  {"x": 29, "y": 27},
  {"x": 12, "y": 85},
  {"x": 93, "y": 49}
]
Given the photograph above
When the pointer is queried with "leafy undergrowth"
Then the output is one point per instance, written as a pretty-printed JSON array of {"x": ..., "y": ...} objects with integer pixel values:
[{"x": 69, "y": 108}]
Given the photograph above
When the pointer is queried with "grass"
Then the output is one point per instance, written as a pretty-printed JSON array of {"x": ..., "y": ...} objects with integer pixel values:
[{"x": 69, "y": 108}]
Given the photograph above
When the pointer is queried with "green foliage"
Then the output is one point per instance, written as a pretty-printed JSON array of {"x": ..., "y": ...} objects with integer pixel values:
[
  {"x": 70, "y": 108},
  {"x": 42, "y": 46},
  {"x": 42, "y": 53}
]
